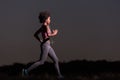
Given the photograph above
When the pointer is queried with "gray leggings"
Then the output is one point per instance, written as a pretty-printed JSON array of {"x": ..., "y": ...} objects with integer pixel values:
[{"x": 46, "y": 50}]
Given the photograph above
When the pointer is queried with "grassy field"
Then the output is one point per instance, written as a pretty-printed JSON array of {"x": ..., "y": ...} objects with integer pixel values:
[
  {"x": 75, "y": 70},
  {"x": 102, "y": 76}
]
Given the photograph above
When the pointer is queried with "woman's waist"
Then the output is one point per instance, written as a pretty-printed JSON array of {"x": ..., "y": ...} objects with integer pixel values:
[{"x": 46, "y": 40}]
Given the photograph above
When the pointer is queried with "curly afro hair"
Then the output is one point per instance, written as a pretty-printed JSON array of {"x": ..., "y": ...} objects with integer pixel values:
[{"x": 43, "y": 16}]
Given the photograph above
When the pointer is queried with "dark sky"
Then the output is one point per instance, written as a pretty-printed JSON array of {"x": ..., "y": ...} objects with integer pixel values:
[{"x": 88, "y": 29}]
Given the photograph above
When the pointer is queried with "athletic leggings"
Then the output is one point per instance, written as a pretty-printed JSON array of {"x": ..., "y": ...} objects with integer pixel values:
[{"x": 46, "y": 50}]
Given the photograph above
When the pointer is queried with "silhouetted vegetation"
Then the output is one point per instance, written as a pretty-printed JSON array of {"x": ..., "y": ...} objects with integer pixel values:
[{"x": 83, "y": 68}]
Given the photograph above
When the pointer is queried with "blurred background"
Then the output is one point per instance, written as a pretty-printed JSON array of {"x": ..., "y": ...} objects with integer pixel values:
[{"x": 88, "y": 29}]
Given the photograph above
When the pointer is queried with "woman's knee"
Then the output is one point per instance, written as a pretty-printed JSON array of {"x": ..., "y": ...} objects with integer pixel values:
[
  {"x": 41, "y": 62},
  {"x": 56, "y": 60}
]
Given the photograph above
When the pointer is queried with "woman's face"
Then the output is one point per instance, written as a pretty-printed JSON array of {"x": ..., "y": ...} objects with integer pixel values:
[{"x": 48, "y": 20}]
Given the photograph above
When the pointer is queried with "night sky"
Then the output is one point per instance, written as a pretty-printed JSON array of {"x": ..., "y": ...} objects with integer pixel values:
[{"x": 88, "y": 29}]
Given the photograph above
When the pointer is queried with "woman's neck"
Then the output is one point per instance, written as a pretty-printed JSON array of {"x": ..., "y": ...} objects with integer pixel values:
[{"x": 45, "y": 24}]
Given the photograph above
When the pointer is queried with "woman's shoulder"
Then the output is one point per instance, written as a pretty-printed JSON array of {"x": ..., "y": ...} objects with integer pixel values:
[{"x": 43, "y": 28}]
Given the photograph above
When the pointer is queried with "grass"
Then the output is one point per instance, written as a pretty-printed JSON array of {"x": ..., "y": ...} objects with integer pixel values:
[{"x": 102, "y": 76}]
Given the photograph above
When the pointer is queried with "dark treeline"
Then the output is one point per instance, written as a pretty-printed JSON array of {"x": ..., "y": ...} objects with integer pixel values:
[{"x": 72, "y": 67}]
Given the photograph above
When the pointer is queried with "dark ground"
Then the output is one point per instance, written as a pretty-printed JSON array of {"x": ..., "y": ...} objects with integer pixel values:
[
  {"x": 103, "y": 76},
  {"x": 74, "y": 70}
]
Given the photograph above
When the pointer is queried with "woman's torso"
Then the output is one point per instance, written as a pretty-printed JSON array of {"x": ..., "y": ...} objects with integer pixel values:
[{"x": 44, "y": 33}]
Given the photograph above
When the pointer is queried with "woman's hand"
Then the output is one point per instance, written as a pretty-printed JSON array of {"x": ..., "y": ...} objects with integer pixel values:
[
  {"x": 41, "y": 41},
  {"x": 55, "y": 31}
]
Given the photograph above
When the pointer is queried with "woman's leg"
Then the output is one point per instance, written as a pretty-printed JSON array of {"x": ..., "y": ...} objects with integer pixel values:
[
  {"x": 53, "y": 56},
  {"x": 44, "y": 54}
]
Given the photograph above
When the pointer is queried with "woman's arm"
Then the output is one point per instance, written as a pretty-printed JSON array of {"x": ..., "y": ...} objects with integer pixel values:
[
  {"x": 36, "y": 35},
  {"x": 51, "y": 33}
]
